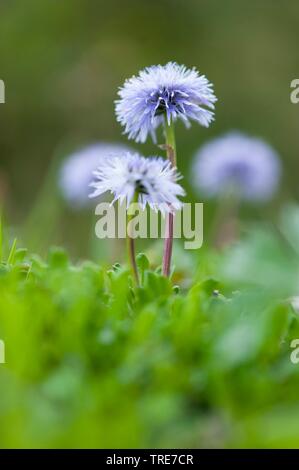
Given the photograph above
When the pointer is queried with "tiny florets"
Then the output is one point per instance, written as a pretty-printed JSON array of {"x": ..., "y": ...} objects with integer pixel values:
[
  {"x": 152, "y": 178},
  {"x": 171, "y": 91}
]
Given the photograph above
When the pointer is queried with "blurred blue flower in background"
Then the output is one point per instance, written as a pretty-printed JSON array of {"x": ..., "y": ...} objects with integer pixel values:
[
  {"x": 76, "y": 172},
  {"x": 171, "y": 90},
  {"x": 239, "y": 165}
]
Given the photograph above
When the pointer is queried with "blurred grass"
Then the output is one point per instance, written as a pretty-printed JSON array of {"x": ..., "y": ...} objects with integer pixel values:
[{"x": 91, "y": 362}]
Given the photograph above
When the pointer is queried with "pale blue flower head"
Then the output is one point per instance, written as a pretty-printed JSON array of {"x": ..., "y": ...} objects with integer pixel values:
[
  {"x": 235, "y": 163},
  {"x": 170, "y": 91},
  {"x": 153, "y": 178},
  {"x": 76, "y": 172}
]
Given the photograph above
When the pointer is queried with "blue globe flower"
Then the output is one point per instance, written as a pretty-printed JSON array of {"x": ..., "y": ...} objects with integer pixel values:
[
  {"x": 154, "y": 179},
  {"x": 76, "y": 172},
  {"x": 235, "y": 163},
  {"x": 171, "y": 91}
]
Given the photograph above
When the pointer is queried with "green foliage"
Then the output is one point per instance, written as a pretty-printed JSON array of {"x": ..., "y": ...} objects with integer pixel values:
[{"x": 93, "y": 362}]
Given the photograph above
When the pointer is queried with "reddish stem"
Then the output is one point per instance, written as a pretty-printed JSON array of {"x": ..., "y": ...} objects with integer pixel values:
[
  {"x": 171, "y": 155},
  {"x": 168, "y": 245}
]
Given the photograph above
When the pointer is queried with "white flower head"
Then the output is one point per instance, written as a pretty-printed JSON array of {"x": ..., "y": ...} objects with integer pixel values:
[
  {"x": 154, "y": 179},
  {"x": 76, "y": 172}
]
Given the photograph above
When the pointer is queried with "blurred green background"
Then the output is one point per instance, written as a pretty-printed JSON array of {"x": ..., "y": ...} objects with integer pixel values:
[
  {"x": 89, "y": 361},
  {"x": 62, "y": 63}
]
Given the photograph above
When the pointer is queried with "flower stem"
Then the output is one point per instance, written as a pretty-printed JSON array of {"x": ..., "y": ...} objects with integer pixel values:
[
  {"x": 171, "y": 155},
  {"x": 131, "y": 246},
  {"x": 170, "y": 142}
]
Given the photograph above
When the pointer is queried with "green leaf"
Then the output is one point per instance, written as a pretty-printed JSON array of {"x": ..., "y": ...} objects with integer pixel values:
[
  {"x": 11, "y": 255},
  {"x": 57, "y": 258},
  {"x": 142, "y": 262},
  {"x": 20, "y": 254}
]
